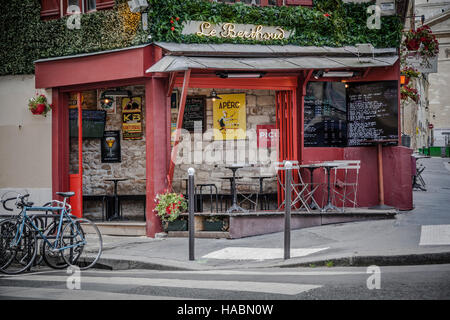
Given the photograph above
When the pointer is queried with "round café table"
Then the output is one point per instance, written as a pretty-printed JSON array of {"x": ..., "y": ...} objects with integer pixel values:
[
  {"x": 116, "y": 215},
  {"x": 234, "y": 207},
  {"x": 311, "y": 167},
  {"x": 328, "y": 166}
]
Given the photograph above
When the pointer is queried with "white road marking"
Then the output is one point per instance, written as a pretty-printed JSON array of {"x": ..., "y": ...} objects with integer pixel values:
[
  {"x": 249, "y": 286},
  {"x": 65, "y": 294},
  {"x": 435, "y": 235},
  {"x": 243, "y": 253},
  {"x": 231, "y": 272}
]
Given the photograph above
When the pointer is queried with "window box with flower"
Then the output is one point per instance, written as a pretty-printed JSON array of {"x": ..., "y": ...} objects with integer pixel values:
[
  {"x": 215, "y": 224},
  {"x": 168, "y": 207}
]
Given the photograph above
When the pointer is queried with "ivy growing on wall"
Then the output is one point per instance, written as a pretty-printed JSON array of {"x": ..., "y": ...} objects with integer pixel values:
[{"x": 25, "y": 38}]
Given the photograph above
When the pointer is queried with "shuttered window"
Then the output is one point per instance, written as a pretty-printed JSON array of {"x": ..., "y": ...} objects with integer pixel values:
[{"x": 51, "y": 9}]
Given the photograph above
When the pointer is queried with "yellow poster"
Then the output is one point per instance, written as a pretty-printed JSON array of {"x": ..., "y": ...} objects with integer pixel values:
[
  {"x": 229, "y": 117},
  {"x": 132, "y": 118}
]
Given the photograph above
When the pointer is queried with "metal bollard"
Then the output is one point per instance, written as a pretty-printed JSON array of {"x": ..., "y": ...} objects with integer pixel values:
[
  {"x": 191, "y": 226},
  {"x": 287, "y": 212}
]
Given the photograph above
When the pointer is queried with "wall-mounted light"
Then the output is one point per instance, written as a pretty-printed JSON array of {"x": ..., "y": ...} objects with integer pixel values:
[
  {"x": 402, "y": 80},
  {"x": 104, "y": 99},
  {"x": 214, "y": 96},
  {"x": 317, "y": 74},
  {"x": 338, "y": 74},
  {"x": 240, "y": 75}
]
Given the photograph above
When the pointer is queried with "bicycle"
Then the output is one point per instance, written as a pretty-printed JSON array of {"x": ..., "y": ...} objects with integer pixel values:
[{"x": 65, "y": 242}]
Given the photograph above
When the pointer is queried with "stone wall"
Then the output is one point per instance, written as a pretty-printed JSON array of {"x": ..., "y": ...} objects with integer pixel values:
[{"x": 260, "y": 105}]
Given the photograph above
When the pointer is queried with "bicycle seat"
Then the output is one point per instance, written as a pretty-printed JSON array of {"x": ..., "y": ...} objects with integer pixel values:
[{"x": 66, "y": 194}]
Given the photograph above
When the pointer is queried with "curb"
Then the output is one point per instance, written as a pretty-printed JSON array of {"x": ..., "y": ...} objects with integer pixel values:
[
  {"x": 111, "y": 263},
  {"x": 365, "y": 261}
]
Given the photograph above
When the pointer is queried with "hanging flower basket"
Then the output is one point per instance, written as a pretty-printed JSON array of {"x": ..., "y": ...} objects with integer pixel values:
[
  {"x": 39, "y": 105},
  {"x": 422, "y": 41},
  {"x": 409, "y": 93}
]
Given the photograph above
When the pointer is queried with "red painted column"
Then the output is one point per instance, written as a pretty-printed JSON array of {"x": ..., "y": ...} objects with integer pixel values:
[
  {"x": 157, "y": 142},
  {"x": 60, "y": 143}
]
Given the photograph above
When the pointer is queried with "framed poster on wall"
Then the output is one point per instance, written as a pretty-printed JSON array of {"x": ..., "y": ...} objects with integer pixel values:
[
  {"x": 132, "y": 118},
  {"x": 230, "y": 117},
  {"x": 110, "y": 146}
]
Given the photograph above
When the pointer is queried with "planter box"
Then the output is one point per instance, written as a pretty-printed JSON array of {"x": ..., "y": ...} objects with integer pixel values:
[
  {"x": 177, "y": 225},
  {"x": 213, "y": 225}
]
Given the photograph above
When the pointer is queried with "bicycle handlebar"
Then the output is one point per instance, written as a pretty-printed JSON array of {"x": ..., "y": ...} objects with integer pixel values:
[{"x": 22, "y": 202}]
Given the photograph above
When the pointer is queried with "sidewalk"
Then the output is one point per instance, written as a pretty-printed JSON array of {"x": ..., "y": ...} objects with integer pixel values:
[{"x": 383, "y": 242}]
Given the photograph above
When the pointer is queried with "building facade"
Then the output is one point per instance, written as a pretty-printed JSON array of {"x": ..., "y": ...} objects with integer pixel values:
[{"x": 297, "y": 61}]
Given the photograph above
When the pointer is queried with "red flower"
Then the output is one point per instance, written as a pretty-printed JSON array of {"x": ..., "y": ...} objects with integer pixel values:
[
  {"x": 171, "y": 21},
  {"x": 40, "y": 108},
  {"x": 173, "y": 28},
  {"x": 327, "y": 15},
  {"x": 177, "y": 18}
]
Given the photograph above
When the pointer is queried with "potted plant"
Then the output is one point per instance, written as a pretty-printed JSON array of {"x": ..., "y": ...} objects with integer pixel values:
[
  {"x": 168, "y": 207},
  {"x": 39, "y": 105}
]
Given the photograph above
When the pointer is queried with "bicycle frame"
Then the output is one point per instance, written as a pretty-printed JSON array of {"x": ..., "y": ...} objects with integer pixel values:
[{"x": 63, "y": 214}]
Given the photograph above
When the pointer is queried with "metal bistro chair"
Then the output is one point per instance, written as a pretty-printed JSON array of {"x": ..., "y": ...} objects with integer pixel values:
[
  {"x": 349, "y": 186},
  {"x": 298, "y": 188}
]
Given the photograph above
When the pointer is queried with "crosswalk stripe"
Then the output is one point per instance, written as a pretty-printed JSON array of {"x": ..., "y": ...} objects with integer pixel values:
[
  {"x": 231, "y": 272},
  {"x": 435, "y": 235},
  {"x": 249, "y": 286},
  {"x": 66, "y": 294},
  {"x": 244, "y": 253}
]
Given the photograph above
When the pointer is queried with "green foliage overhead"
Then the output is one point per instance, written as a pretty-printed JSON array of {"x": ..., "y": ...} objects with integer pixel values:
[{"x": 25, "y": 38}]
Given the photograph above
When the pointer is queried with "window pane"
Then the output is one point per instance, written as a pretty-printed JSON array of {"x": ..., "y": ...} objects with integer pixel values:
[
  {"x": 72, "y": 3},
  {"x": 90, "y": 5}
]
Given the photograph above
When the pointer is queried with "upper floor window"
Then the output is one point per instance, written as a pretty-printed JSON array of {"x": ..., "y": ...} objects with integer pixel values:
[
  {"x": 308, "y": 3},
  {"x": 54, "y": 9}
]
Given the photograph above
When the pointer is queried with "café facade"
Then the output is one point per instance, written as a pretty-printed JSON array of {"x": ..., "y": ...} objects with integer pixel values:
[{"x": 325, "y": 103}]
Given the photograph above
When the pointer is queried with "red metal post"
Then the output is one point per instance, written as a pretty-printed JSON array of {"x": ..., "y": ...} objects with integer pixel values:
[
  {"x": 157, "y": 138},
  {"x": 60, "y": 143},
  {"x": 187, "y": 75}
]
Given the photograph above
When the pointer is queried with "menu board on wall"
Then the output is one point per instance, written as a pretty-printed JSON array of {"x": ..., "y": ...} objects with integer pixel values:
[
  {"x": 194, "y": 111},
  {"x": 372, "y": 112},
  {"x": 325, "y": 113}
]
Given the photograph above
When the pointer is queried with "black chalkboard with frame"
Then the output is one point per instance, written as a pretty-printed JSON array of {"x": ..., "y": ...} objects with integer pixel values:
[
  {"x": 372, "y": 112},
  {"x": 325, "y": 115},
  {"x": 194, "y": 111}
]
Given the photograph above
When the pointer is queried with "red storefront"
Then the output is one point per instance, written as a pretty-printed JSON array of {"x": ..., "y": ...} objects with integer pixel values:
[{"x": 286, "y": 70}]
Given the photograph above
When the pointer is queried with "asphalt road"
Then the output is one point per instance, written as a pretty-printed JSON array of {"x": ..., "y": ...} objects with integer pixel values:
[{"x": 405, "y": 282}]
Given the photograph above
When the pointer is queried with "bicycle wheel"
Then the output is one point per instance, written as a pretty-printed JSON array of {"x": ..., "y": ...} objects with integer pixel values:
[
  {"x": 17, "y": 258},
  {"x": 84, "y": 243},
  {"x": 52, "y": 257}
]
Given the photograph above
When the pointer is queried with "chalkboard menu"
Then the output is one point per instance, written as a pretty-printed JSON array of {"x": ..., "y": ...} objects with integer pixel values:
[
  {"x": 325, "y": 114},
  {"x": 194, "y": 111},
  {"x": 93, "y": 123},
  {"x": 372, "y": 112}
]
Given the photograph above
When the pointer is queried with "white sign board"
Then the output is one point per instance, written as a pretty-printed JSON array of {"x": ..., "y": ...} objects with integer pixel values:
[{"x": 422, "y": 64}]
